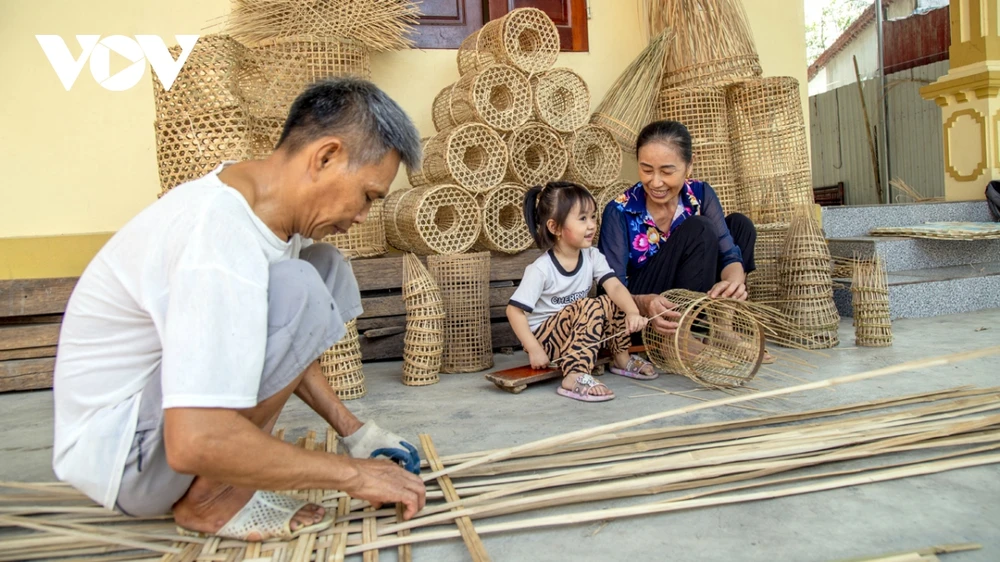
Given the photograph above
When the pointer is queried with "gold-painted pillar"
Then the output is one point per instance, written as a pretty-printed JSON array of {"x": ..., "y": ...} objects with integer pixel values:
[{"x": 969, "y": 96}]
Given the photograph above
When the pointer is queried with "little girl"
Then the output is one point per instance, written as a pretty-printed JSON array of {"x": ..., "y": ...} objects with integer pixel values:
[{"x": 550, "y": 311}]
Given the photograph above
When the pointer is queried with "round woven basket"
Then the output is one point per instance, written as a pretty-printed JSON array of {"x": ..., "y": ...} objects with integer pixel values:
[
  {"x": 440, "y": 219},
  {"x": 562, "y": 99},
  {"x": 341, "y": 365},
  {"x": 390, "y": 212},
  {"x": 423, "y": 343},
  {"x": 207, "y": 82},
  {"x": 605, "y": 196},
  {"x": 764, "y": 283},
  {"x": 806, "y": 283},
  {"x": 870, "y": 301},
  {"x": 363, "y": 240},
  {"x": 718, "y": 342},
  {"x": 525, "y": 38},
  {"x": 504, "y": 229},
  {"x": 471, "y": 155},
  {"x": 537, "y": 155},
  {"x": 498, "y": 96},
  {"x": 464, "y": 281},
  {"x": 595, "y": 158},
  {"x": 188, "y": 146}
]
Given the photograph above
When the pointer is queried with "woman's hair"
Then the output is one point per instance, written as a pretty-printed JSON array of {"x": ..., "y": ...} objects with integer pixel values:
[
  {"x": 671, "y": 133},
  {"x": 553, "y": 202}
]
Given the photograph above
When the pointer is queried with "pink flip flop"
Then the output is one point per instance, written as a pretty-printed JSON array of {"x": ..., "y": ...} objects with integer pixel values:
[
  {"x": 581, "y": 390},
  {"x": 633, "y": 369}
]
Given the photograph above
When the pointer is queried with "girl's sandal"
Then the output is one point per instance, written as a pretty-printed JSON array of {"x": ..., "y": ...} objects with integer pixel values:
[
  {"x": 269, "y": 515},
  {"x": 633, "y": 369},
  {"x": 581, "y": 390}
]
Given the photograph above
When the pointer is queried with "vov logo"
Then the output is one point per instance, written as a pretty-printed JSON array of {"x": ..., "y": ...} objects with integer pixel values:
[{"x": 98, "y": 51}]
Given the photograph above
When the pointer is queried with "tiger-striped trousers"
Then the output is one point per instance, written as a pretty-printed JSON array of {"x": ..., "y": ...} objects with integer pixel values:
[{"x": 575, "y": 331}]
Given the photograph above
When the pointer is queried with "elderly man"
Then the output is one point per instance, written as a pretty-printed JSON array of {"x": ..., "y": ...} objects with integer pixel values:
[{"x": 191, "y": 328}]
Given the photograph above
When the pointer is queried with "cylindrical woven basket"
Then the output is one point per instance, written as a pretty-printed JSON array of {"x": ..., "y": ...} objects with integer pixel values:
[
  {"x": 416, "y": 174},
  {"x": 870, "y": 301},
  {"x": 464, "y": 281},
  {"x": 537, "y": 155},
  {"x": 423, "y": 343},
  {"x": 363, "y": 240},
  {"x": 525, "y": 38},
  {"x": 439, "y": 219},
  {"x": 471, "y": 156},
  {"x": 595, "y": 158},
  {"x": 390, "y": 212},
  {"x": 806, "y": 284},
  {"x": 604, "y": 196},
  {"x": 504, "y": 229},
  {"x": 498, "y": 96},
  {"x": 562, "y": 99},
  {"x": 188, "y": 146},
  {"x": 764, "y": 283},
  {"x": 341, "y": 365},
  {"x": 718, "y": 342},
  {"x": 769, "y": 148},
  {"x": 208, "y": 82}
]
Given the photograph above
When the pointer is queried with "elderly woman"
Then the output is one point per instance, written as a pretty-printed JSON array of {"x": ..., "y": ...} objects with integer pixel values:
[{"x": 670, "y": 232}]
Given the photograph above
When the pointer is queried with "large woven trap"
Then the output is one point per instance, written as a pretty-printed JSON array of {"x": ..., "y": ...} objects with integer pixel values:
[
  {"x": 471, "y": 155},
  {"x": 416, "y": 173},
  {"x": 718, "y": 342},
  {"x": 870, "y": 301},
  {"x": 423, "y": 343},
  {"x": 208, "y": 82},
  {"x": 363, "y": 240},
  {"x": 604, "y": 196},
  {"x": 439, "y": 219},
  {"x": 341, "y": 365},
  {"x": 390, "y": 211},
  {"x": 464, "y": 281},
  {"x": 498, "y": 96},
  {"x": 595, "y": 159},
  {"x": 562, "y": 99},
  {"x": 504, "y": 229},
  {"x": 806, "y": 284},
  {"x": 525, "y": 38},
  {"x": 769, "y": 147},
  {"x": 764, "y": 283},
  {"x": 537, "y": 155},
  {"x": 188, "y": 146}
]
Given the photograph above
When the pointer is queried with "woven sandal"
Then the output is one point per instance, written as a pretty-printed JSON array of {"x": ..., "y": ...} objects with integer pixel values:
[
  {"x": 581, "y": 390},
  {"x": 268, "y": 514},
  {"x": 633, "y": 369}
]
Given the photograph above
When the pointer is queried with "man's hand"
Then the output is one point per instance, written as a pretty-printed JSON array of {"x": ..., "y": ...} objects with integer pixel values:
[
  {"x": 728, "y": 290},
  {"x": 372, "y": 441},
  {"x": 538, "y": 358},
  {"x": 660, "y": 312},
  {"x": 379, "y": 481}
]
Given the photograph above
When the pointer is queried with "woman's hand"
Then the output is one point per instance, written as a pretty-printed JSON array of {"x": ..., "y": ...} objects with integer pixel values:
[
  {"x": 635, "y": 322},
  {"x": 660, "y": 312},
  {"x": 729, "y": 290}
]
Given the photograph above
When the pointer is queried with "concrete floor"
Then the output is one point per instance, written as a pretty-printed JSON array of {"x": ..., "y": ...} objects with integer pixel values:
[{"x": 465, "y": 413}]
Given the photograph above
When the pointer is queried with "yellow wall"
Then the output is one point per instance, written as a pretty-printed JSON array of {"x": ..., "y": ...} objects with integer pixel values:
[{"x": 84, "y": 161}]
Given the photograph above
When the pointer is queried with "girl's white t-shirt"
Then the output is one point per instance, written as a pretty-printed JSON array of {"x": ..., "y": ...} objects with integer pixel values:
[
  {"x": 547, "y": 287},
  {"x": 179, "y": 291}
]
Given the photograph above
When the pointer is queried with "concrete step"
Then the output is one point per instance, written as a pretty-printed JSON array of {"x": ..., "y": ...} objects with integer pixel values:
[
  {"x": 858, "y": 220},
  {"x": 903, "y": 254},
  {"x": 919, "y": 293}
]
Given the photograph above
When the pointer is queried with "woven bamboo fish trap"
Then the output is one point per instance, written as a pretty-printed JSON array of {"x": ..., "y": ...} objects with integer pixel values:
[
  {"x": 630, "y": 103},
  {"x": 764, "y": 283},
  {"x": 416, "y": 174},
  {"x": 439, "y": 219},
  {"x": 714, "y": 43},
  {"x": 498, "y": 96},
  {"x": 471, "y": 155},
  {"x": 423, "y": 343},
  {"x": 769, "y": 147},
  {"x": 870, "y": 301},
  {"x": 703, "y": 111},
  {"x": 207, "y": 82},
  {"x": 464, "y": 281},
  {"x": 595, "y": 159},
  {"x": 806, "y": 284},
  {"x": 605, "y": 196},
  {"x": 525, "y": 38},
  {"x": 188, "y": 146},
  {"x": 504, "y": 229},
  {"x": 537, "y": 155},
  {"x": 265, "y": 132},
  {"x": 341, "y": 365},
  {"x": 718, "y": 342},
  {"x": 390, "y": 211},
  {"x": 363, "y": 240},
  {"x": 561, "y": 98}
]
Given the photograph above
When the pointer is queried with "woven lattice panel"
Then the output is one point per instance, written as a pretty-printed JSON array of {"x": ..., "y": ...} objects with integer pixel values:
[
  {"x": 562, "y": 99},
  {"x": 525, "y": 38},
  {"x": 363, "y": 240},
  {"x": 717, "y": 343},
  {"x": 464, "y": 281},
  {"x": 504, "y": 229},
  {"x": 208, "y": 81},
  {"x": 341, "y": 365},
  {"x": 423, "y": 343},
  {"x": 870, "y": 301},
  {"x": 537, "y": 155},
  {"x": 440, "y": 219},
  {"x": 806, "y": 284},
  {"x": 498, "y": 96},
  {"x": 769, "y": 148},
  {"x": 265, "y": 131},
  {"x": 188, "y": 146},
  {"x": 471, "y": 155},
  {"x": 764, "y": 283},
  {"x": 595, "y": 159},
  {"x": 604, "y": 196}
]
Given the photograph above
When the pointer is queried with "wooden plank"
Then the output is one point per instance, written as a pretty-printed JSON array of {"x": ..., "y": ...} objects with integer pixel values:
[
  {"x": 26, "y": 374},
  {"x": 374, "y": 274},
  {"x": 28, "y": 335},
  {"x": 39, "y": 319},
  {"x": 391, "y": 347},
  {"x": 28, "y": 353},
  {"x": 29, "y": 297},
  {"x": 393, "y": 305},
  {"x": 498, "y": 312}
]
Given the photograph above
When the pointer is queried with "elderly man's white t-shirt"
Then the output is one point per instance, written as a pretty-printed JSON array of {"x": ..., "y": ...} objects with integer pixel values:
[{"x": 181, "y": 290}]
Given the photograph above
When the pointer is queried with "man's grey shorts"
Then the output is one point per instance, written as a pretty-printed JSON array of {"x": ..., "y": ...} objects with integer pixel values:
[{"x": 309, "y": 301}]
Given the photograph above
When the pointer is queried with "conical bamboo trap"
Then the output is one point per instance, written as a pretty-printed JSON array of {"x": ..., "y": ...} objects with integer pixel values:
[
  {"x": 341, "y": 365},
  {"x": 504, "y": 229},
  {"x": 439, "y": 219},
  {"x": 806, "y": 284},
  {"x": 464, "y": 280},
  {"x": 498, "y": 96},
  {"x": 363, "y": 240},
  {"x": 595, "y": 159},
  {"x": 562, "y": 99},
  {"x": 870, "y": 301},
  {"x": 423, "y": 343},
  {"x": 537, "y": 155},
  {"x": 764, "y": 283},
  {"x": 525, "y": 38},
  {"x": 471, "y": 156}
]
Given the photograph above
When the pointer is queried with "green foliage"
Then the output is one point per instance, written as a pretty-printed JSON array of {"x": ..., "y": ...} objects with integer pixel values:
[{"x": 835, "y": 17}]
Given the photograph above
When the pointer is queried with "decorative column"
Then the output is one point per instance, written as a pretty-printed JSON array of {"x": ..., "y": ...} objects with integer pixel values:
[{"x": 969, "y": 97}]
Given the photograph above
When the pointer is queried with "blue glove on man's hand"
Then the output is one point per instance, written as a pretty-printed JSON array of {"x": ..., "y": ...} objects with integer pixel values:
[{"x": 371, "y": 441}]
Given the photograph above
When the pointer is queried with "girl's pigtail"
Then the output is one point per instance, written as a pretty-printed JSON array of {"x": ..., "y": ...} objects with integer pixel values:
[{"x": 531, "y": 213}]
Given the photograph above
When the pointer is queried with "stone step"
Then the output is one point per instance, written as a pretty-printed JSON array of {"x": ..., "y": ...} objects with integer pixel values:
[
  {"x": 919, "y": 293},
  {"x": 902, "y": 254},
  {"x": 858, "y": 220}
]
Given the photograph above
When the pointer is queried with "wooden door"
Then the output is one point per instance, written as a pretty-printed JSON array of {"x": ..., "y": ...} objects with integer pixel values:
[{"x": 445, "y": 23}]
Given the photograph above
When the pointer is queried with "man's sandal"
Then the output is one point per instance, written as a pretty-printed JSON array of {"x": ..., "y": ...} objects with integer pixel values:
[
  {"x": 268, "y": 514},
  {"x": 633, "y": 369},
  {"x": 581, "y": 390}
]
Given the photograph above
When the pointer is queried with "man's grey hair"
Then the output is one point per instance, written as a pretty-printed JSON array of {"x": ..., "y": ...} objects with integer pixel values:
[{"x": 369, "y": 121}]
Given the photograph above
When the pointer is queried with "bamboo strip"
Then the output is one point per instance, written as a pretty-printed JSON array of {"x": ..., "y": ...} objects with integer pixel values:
[
  {"x": 405, "y": 551},
  {"x": 931, "y": 550},
  {"x": 368, "y": 535},
  {"x": 96, "y": 535}
]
